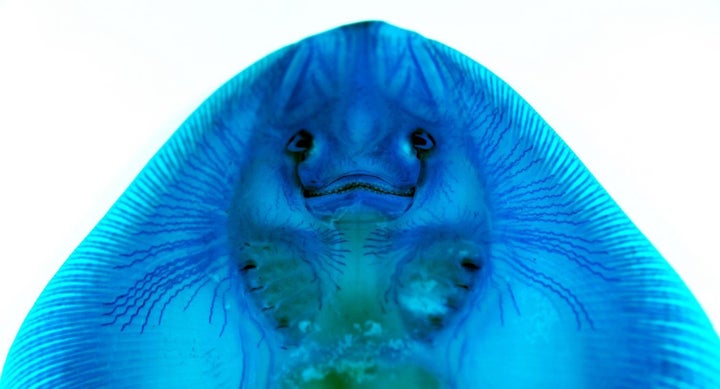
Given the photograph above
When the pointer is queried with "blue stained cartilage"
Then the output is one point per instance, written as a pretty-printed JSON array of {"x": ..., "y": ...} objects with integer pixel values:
[{"x": 365, "y": 208}]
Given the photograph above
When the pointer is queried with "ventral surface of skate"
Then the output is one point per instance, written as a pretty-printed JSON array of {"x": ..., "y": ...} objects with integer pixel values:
[{"x": 366, "y": 208}]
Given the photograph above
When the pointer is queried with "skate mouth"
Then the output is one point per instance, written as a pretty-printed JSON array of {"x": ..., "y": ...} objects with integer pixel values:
[
  {"x": 359, "y": 197},
  {"x": 353, "y": 182}
]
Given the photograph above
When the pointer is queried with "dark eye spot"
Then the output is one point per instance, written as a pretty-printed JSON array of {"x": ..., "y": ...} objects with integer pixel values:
[
  {"x": 301, "y": 142},
  {"x": 470, "y": 265},
  {"x": 249, "y": 265},
  {"x": 422, "y": 141}
]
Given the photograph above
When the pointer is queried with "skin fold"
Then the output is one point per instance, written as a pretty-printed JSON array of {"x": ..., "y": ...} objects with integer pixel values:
[{"x": 365, "y": 208}]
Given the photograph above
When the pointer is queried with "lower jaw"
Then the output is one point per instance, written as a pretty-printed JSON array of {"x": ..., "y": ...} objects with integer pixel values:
[{"x": 358, "y": 206}]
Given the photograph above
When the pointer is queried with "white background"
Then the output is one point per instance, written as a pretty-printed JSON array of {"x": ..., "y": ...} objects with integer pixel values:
[{"x": 89, "y": 90}]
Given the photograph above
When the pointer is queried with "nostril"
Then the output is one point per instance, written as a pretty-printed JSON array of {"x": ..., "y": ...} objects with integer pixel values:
[
  {"x": 421, "y": 140},
  {"x": 301, "y": 142}
]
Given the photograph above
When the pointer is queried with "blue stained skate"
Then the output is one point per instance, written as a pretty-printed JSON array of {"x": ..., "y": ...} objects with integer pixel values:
[{"x": 365, "y": 208}]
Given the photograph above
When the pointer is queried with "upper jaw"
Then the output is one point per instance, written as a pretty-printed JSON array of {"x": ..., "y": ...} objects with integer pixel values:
[
  {"x": 359, "y": 197},
  {"x": 359, "y": 182}
]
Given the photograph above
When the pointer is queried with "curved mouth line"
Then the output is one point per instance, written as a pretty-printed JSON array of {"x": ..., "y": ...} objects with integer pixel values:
[{"x": 361, "y": 186}]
